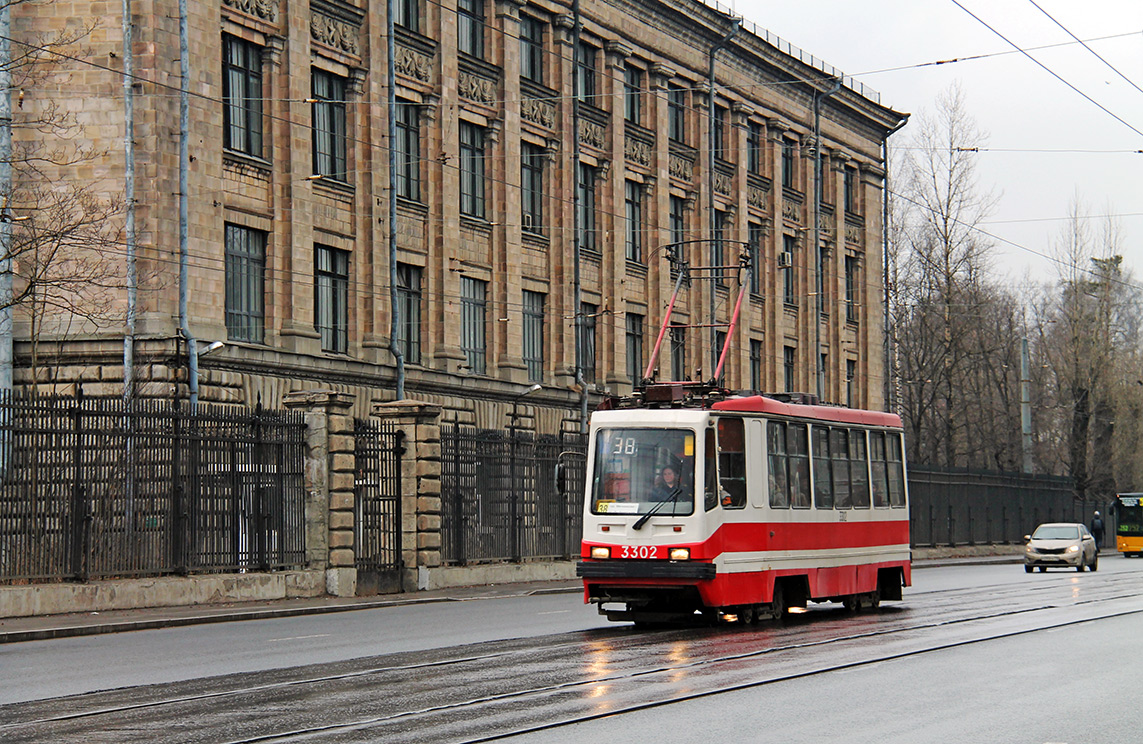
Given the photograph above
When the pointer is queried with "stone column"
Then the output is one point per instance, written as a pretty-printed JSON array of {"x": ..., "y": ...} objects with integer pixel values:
[
  {"x": 330, "y": 465},
  {"x": 420, "y": 487}
]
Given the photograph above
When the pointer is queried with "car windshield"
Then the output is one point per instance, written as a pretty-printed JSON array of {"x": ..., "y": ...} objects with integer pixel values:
[
  {"x": 637, "y": 470},
  {"x": 1056, "y": 532}
]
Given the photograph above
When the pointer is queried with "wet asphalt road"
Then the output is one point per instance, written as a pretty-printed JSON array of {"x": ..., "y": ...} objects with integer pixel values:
[{"x": 967, "y": 652}]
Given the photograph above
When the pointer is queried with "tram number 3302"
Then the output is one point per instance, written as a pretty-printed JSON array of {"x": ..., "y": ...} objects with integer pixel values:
[{"x": 639, "y": 551}]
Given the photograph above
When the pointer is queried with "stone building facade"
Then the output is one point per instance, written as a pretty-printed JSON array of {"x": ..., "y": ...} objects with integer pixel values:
[{"x": 289, "y": 183}]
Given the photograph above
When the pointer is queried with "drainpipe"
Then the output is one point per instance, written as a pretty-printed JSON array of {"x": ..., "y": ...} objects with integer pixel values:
[
  {"x": 129, "y": 190},
  {"x": 892, "y": 393},
  {"x": 577, "y": 279},
  {"x": 819, "y": 303},
  {"x": 735, "y": 24},
  {"x": 184, "y": 166},
  {"x": 6, "y": 342},
  {"x": 394, "y": 311}
]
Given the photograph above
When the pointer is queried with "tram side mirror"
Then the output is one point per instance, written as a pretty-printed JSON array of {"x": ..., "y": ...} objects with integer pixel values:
[{"x": 561, "y": 478}]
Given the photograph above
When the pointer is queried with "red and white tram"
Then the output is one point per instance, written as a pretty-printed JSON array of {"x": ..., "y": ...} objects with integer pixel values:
[{"x": 701, "y": 501}]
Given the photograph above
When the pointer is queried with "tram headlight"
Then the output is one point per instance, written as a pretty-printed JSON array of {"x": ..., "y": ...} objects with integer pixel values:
[
  {"x": 680, "y": 554},
  {"x": 599, "y": 552}
]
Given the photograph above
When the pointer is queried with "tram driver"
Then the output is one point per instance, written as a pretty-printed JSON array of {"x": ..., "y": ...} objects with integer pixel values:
[{"x": 666, "y": 485}]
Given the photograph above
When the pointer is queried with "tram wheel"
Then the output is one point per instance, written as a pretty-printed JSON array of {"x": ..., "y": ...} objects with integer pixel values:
[
  {"x": 851, "y": 603},
  {"x": 778, "y": 604}
]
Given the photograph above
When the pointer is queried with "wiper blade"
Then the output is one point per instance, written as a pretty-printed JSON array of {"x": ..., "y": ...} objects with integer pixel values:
[{"x": 643, "y": 519}]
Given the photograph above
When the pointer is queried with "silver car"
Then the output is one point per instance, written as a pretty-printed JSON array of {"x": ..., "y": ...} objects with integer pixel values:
[{"x": 1060, "y": 544}]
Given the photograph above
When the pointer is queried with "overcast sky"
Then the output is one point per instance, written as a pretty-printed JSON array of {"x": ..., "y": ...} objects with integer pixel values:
[{"x": 1018, "y": 103}]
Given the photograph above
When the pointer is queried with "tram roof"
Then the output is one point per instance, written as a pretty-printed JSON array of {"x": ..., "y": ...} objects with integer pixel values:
[{"x": 764, "y": 404}]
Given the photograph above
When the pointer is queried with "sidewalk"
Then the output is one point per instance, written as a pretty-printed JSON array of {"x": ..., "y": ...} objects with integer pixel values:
[{"x": 43, "y": 627}]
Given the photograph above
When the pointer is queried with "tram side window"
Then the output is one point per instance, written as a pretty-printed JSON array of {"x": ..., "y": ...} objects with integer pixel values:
[
  {"x": 779, "y": 483},
  {"x": 858, "y": 470},
  {"x": 823, "y": 475},
  {"x": 798, "y": 448},
  {"x": 732, "y": 462},
  {"x": 841, "y": 468},
  {"x": 710, "y": 498},
  {"x": 896, "y": 470},
  {"x": 880, "y": 473}
]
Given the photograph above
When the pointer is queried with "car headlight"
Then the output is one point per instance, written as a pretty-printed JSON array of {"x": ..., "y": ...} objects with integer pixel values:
[
  {"x": 680, "y": 554},
  {"x": 1073, "y": 549},
  {"x": 600, "y": 552}
]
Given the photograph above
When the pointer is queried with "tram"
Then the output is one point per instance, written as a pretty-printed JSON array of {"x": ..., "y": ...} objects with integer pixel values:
[
  {"x": 705, "y": 502},
  {"x": 1129, "y": 524}
]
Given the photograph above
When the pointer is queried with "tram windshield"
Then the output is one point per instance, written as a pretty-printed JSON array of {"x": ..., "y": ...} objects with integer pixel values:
[
  {"x": 1129, "y": 516},
  {"x": 637, "y": 470}
]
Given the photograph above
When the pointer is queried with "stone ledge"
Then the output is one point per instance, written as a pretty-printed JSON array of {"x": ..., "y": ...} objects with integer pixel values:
[{"x": 163, "y": 591}]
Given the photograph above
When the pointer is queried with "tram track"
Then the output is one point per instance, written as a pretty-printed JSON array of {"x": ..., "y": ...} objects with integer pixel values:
[{"x": 516, "y": 687}]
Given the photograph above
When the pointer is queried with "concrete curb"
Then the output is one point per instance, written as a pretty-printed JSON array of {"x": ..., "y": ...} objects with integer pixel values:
[{"x": 40, "y": 628}]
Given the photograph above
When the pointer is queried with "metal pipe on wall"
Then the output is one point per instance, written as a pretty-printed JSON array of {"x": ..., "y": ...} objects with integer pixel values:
[
  {"x": 184, "y": 168},
  {"x": 129, "y": 196},
  {"x": 394, "y": 307},
  {"x": 819, "y": 283}
]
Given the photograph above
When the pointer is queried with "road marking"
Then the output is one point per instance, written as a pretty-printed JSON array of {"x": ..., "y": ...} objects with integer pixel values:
[
  {"x": 298, "y": 638},
  {"x": 554, "y": 612}
]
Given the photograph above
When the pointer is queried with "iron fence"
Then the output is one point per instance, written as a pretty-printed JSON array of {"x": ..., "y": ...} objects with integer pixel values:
[
  {"x": 377, "y": 506},
  {"x": 966, "y": 507},
  {"x": 499, "y": 497},
  {"x": 94, "y": 487}
]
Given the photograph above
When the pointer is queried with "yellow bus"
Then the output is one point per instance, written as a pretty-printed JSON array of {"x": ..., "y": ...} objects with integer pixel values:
[{"x": 1129, "y": 524}]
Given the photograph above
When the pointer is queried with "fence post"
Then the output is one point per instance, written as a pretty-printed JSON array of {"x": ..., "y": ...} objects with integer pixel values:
[
  {"x": 329, "y": 485},
  {"x": 419, "y": 472}
]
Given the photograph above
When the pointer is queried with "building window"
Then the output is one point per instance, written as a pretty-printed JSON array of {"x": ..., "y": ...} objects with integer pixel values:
[
  {"x": 851, "y": 383},
  {"x": 635, "y": 347},
  {"x": 789, "y": 278},
  {"x": 586, "y": 66},
  {"x": 755, "y": 365},
  {"x": 754, "y": 148},
  {"x": 634, "y": 204},
  {"x": 470, "y": 27},
  {"x": 407, "y": 14},
  {"x": 408, "y": 154},
  {"x": 242, "y": 96},
  {"x": 534, "y": 335},
  {"x": 718, "y": 247},
  {"x": 472, "y": 323},
  {"x": 532, "y": 159},
  {"x": 676, "y": 112},
  {"x": 328, "y": 110},
  {"x": 719, "y": 345},
  {"x": 678, "y": 352},
  {"x": 587, "y": 215},
  {"x": 245, "y": 284},
  {"x": 532, "y": 49},
  {"x": 851, "y": 287},
  {"x": 850, "y": 186},
  {"x": 788, "y": 354},
  {"x": 331, "y": 298},
  {"x": 755, "y": 236},
  {"x": 719, "y": 133},
  {"x": 788, "y": 161},
  {"x": 588, "y": 311},
  {"x": 471, "y": 170},
  {"x": 678, "y": 219},
  {"x": 409, "y": 312},
  {"x": 633, "y": 94}
]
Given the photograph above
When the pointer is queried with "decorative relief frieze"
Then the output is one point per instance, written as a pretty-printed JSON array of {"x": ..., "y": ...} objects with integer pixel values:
[
  {"x": 334, "y": 33},
  {"x": 853, "y": 234},
  {"x": 476, "y": 88},
  {"x": 414, "y": 64},
  {"x": 722, "y": 183},
  {"x": 681, "y": 167},
  {"x": 637, "y": 151},
  {"x": 538, "y": 112},
  {"x": 791, "y": 211},
  {"x": 755, "y": 197},
  {"x": 592, "y": 134},
  {"x": 266, "y": 9}
]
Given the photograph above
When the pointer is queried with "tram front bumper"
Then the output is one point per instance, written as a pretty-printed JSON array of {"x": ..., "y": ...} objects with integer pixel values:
[{"x": 652, "y": 570}]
